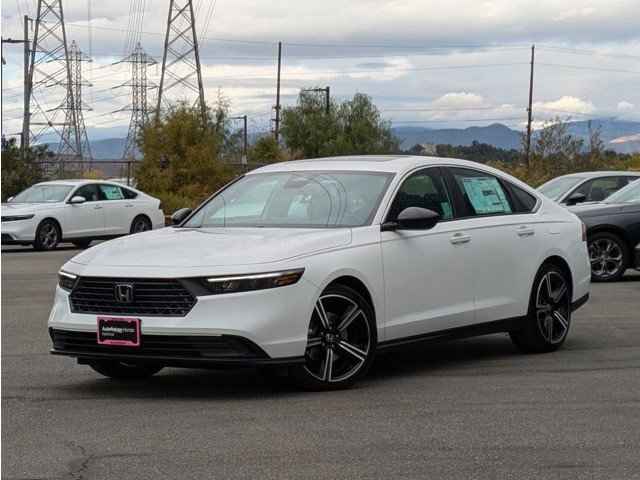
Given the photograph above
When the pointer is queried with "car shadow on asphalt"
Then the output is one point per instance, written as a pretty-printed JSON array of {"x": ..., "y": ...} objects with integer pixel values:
[
  {"x": 32, "y": 250},
  {"x": 187, "y": 384}
]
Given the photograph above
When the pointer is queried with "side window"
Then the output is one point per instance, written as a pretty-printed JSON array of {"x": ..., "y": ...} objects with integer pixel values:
[
  {"x": 111, "y": 192},
  {"x": 424, "y": 189},
  {"x": 482, "y": 192},
  {"x": 524, "y": 201},
  {"x": 128, "y": 194},
  {"x": 89, "y": 192},
  {"x": 598, "y": 189}
]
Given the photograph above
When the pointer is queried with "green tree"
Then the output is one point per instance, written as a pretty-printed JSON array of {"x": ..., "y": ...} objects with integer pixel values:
[
  {"x": 20, "y": 171},
  {"x": 181, "y": 163},
  {"x": 351, "y": 127},
  {"x": 266, "y": 150}
]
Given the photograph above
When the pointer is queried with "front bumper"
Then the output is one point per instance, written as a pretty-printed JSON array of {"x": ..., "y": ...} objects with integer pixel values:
[
  {"x": 21, "y": 231},
  {"x": 275, "y": 321},
  {"x": 171, "y": 351}
]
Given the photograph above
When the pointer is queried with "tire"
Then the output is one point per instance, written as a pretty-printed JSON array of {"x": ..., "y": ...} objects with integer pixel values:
[
  {"x": 140, "y": 224},
  {"x": 609, "y": 256},
  {"x": 341, "y": 343},
  {"x": 82, "y": 243},
  {"x": 124, "y": 371},
  {"x": 48, "y": 235},
  {"x": 547, "y": 323}
]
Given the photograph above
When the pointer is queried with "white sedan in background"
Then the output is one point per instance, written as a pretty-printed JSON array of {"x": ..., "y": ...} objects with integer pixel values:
[{"x": 77, "y": 211}]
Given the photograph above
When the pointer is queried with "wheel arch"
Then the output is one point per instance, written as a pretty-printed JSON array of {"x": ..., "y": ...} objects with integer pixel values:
[
  {"x": 614, "y": 229},
  {"x": 563, "y": 265},
  {"x": 54, "y": 220},
  {"x": 359, "y": 286},
  {"x": 137, "y": 216}
]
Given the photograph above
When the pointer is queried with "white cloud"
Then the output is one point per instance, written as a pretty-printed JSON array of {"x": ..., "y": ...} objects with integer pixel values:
[
  {"x": 459, "y": 100},
  {"x": 566, "y": 104},
  {"x": 625, "y": 106}
]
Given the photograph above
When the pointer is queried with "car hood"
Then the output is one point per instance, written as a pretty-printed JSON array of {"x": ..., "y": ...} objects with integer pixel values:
[
  {"x": 26, "y": 208},
  {"x": 602, "y": 208},
  {"x": 200, "y": 247}
]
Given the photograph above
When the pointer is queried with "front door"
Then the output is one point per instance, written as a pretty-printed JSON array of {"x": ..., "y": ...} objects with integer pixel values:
[
  {"x": 85, "y": 219},
  {"x": 427, "y": 273}
]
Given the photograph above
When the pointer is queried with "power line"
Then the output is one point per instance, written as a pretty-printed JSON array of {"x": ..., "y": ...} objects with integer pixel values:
[{"x": 584, "y": 67}]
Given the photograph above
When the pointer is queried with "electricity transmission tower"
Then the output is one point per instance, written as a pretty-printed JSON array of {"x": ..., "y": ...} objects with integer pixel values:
[
  {"x": 181, "y": 56},
  {"x": 139, "y": 106},
  {"x": 75, "y": 142},
  {"x": 50, "y": 91}
]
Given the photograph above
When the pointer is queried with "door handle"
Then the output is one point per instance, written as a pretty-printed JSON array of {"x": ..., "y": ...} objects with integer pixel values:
[
  {"x": 129, "y": 205},
  {"x": 97, "y": 207},
  {"x": 459, "y": 238},
  {"x": 525, "y": 231}
]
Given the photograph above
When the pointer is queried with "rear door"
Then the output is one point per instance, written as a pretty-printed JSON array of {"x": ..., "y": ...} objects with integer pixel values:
[
  {"x": 506, "y": 242},
  {"x": 119, "y": 211},
  {"x": 85, "y": 219}
]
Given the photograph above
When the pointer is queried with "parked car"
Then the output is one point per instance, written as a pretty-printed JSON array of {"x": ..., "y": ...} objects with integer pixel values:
[
  {"x": 586, "y": 186},
  {"x": 77, "y": 211},
  {"x": 317, "y": 265},
  {"x": 613, "y": 233}
]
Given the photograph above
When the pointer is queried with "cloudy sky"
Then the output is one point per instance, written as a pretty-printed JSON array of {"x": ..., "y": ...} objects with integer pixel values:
[{"x": 425, "y": 63}]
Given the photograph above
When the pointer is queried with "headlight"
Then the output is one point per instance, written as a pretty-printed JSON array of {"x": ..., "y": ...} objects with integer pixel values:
[
  {"x": 254, "y": 281},
  {"x": 15, "y": 218},
  {"x": 67, "y": 280}
]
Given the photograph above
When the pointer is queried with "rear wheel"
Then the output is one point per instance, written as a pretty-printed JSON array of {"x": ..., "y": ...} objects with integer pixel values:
[
  {"x": 140, "y": 224},
  {"x": 341, "y": 341},
  {"x": 48, "y": 235},
  {"x": 124, "y": 371},
  {"x": 547, "y": 323},
  {"x": 609, "y": 256}
]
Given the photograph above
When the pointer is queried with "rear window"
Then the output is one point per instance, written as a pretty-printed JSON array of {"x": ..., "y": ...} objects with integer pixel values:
[
  {"x": 128, "y": 194},
  {"x": 524, "y": 201}
]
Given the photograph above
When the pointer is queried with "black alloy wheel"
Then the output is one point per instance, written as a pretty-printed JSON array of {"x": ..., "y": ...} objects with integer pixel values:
[{"x": 341, "y": 340}]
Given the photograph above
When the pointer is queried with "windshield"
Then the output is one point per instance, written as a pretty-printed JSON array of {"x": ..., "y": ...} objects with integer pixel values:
[
  {"x": 554, "y": 189},
  {"x": 628, "y": 194},
  {"x": 295, "y": 199},
  {"x": 43, "y": 194}
]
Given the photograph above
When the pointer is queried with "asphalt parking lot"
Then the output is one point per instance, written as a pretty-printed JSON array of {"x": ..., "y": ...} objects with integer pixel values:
[{"x": 467, "y": 409}]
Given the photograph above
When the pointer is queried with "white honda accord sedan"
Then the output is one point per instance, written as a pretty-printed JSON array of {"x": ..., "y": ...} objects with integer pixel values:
[
  {"x": 77, "y": 211},
  {"x": 317, "y": 265}
]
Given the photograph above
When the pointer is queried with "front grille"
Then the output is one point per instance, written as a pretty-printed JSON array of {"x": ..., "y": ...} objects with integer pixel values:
[
  {"x": 167, "y": 346},
  {"x": 151, "y": 297}
]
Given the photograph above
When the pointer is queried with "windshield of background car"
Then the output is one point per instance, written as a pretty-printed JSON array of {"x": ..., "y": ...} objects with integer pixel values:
[
  {"x": 43, "y": 194},
  {"x": 296, "y": 199},
  {"x": 554, "y": 189},
  {"x": 628, "y": 194}
]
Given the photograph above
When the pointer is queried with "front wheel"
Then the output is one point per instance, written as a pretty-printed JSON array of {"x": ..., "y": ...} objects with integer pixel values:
[
  {"x": 341, "y": 340},
  {"x": 124, "y": 371},
  {"x": 48, "y": 235},
  {"x": 547, "y": 323},
  {"x": 609, "y": 257}
]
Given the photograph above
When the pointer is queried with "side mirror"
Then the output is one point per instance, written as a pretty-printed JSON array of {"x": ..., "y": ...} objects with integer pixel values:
[
  {"x": 413, "y": 218},
  {"x": 179, "y": 215},
  {"x": 77, "y": 200},
  {"x": 576, "y": 197}
]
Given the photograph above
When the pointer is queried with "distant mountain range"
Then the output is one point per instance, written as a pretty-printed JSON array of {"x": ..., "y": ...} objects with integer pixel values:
[{"x": 621, "y": 136}]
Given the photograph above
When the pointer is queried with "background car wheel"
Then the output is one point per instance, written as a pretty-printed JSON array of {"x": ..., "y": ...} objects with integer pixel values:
[
  {"x": 82, "y": 243},
  {"x": 124, "y": 371},
  {"x": 140, "y": 224},
  {"x": 48, "y": 235},
  {"x": 549, "y": 318},
  {"x": 341, "y": 341},
  {"x": 609, "y": 256}
]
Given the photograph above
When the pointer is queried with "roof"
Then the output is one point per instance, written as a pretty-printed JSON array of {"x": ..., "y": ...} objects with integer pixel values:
[
  {"x": 78, "y": 181},
  {"x": 365, "y": 163},
  {"x": 603, "y": 174}
]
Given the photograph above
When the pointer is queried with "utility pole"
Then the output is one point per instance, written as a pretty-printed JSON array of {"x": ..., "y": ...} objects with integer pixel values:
[
  {"x": 530, "y": 109},
  {"x": 139, "y": 106},
  {"x": 181, "y": 55},
  {"x": 277, "y": 120},
  {"x": 25, "y": 42}
]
